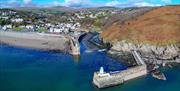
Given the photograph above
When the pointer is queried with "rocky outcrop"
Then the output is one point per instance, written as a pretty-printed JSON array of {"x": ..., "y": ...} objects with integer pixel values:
[{"x": 150, "y": 53}]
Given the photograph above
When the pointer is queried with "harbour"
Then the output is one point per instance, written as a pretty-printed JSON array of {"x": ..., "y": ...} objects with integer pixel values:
[
  {"x": 41, "y": 70},
  {"x": 55, "y": 71}
]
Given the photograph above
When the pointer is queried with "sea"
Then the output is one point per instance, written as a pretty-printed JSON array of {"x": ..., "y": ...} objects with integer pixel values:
[{"x": 25, "y": 69}]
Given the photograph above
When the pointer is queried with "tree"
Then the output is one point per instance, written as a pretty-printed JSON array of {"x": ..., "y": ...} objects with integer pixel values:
[{"x": 4, "y": 21}]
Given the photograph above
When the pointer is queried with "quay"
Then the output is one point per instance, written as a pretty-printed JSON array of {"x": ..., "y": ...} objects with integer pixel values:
[
  {"x": 75, "y": 47},
  {"x": 74, "y": 43},
  {"x": 102, "y": 79}
]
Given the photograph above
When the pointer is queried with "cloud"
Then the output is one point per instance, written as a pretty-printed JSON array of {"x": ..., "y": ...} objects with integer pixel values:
[
  {"x": 56, "y": 3},
  {"x": 27, "y": 1},
  {"x": 130, "y": 3},
  {"x": 77, "y": 3},
  {"x": 10, "y": 3},
  {"x": 143, "y": 4},
  {"x": 113, "y": 3},
  {"x": 166, "y": 1}
]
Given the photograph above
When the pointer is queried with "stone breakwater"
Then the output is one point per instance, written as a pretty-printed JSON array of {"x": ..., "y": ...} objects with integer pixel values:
[
  {"x": 120, "y": 77},
  {"x": 149, "y": 53},
  {"x": 102, "y": 79}
]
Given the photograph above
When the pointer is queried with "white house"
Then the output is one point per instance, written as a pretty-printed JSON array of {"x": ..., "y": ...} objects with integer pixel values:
[
  {"x": 17, "y": 20},
  {"x": 57, "y": 30},
  {"x": 29, "y": 26},
  {"x": 7, "y": 27},
  {"x": 4, "y": 17},
  {"x": 51, "y": 29}
]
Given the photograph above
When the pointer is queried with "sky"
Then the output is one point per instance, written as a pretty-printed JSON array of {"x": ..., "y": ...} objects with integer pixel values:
[{"x": 85, "y": 3}]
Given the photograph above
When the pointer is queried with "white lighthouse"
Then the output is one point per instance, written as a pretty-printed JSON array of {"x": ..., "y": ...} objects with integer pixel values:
[{"x": 102, "y": 73}]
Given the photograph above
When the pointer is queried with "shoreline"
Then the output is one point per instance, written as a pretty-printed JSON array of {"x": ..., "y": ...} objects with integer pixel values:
[
  {"x": 45, "y": 42},
  {"x": 29, "y": 48}
]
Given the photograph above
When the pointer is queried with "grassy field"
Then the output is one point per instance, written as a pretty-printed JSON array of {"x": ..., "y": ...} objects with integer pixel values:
[
  {"x": 42, "y": 30},
  {"x": 18, "y": 29}
]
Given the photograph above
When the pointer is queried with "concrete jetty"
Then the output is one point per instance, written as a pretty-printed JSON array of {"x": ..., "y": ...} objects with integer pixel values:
[{"x": 102, "y": 79}]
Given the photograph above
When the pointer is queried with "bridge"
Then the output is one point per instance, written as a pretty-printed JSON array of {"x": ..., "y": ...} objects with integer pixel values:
[{"x": 102, "y": 79}]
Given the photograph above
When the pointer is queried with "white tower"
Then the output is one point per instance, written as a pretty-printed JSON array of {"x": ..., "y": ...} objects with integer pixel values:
[{"x": 101, "y": 71}]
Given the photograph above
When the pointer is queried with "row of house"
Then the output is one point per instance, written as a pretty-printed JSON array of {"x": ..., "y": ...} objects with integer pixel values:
[
  {"x": 64, "y": 27},
  {"x": 10, "y": 26},
  {"x": 93, "y": 13},
  {"x": 16, "y": 20},
  {"x": 7, "y": 13},
  {"x": 58, "y": 28}
]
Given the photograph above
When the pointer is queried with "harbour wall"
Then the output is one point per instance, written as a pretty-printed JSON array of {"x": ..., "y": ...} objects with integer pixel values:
[
  {"x": 120, "y": 77},
  {"x": 75, "y": 47}
]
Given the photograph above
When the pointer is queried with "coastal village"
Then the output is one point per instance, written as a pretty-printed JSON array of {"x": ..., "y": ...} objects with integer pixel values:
[
  {"x": 72, "y": 21},
  {"x": 62, "y": 32}
]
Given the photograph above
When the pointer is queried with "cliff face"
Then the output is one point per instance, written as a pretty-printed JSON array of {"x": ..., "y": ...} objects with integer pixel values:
[
  {"x": 150, "y": 53},
  {"x": 155, "y": 34}
]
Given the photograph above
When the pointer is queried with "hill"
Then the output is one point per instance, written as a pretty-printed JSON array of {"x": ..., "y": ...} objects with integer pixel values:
[
  {"x": 158, "y": 26},
  {"x": 44, "y": 10}
]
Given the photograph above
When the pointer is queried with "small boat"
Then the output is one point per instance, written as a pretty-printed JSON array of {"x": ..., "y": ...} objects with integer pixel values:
[
  {"x": 89, "y": 51},
  {"x": 102, "y": 50},
  {"x": 158, "y": 75}
]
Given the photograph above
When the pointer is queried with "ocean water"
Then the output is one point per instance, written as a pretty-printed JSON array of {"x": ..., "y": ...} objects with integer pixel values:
[{"x": 23, "y": 69}]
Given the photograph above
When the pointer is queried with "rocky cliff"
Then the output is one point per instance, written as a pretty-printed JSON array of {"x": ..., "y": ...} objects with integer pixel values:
[{"x": 150, "y": 53}]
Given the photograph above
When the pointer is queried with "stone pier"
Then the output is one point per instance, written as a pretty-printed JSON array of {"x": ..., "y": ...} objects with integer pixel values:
[
  {"x": 75, "y": 47},
  {"x": 103, "y": 79}
]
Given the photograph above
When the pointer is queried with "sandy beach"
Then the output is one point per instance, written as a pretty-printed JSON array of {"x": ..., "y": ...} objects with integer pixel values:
[{"x": 34, "y": 40}]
